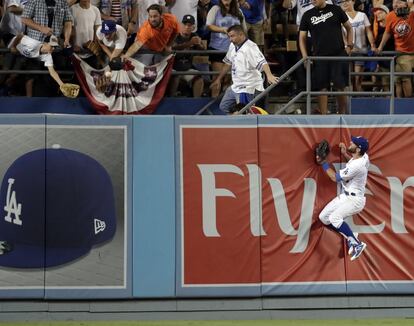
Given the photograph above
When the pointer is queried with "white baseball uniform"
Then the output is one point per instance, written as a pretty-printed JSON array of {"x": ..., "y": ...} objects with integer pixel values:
[{"x": 352, "y": 200}]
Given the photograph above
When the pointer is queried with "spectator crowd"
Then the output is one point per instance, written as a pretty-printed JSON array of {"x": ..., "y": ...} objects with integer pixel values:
[{"x": 43, "y": 34}]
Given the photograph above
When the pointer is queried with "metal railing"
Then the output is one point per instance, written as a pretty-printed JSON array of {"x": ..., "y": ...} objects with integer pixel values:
[{"x": 308, "y": 92}]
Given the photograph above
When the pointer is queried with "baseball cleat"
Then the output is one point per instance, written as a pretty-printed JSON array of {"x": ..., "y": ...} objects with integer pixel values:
[
  {"x": 358, "y": 249},
  {"x": 350, "y": 245}
]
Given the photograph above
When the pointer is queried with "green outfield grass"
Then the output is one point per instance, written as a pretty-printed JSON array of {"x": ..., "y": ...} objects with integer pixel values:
[{"x": 350, "y": 322}]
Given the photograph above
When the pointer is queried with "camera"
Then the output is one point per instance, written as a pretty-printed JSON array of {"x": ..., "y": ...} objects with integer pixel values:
[{"x": 402, "y": 12}]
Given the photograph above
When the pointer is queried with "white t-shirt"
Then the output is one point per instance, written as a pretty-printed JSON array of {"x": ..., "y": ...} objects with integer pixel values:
[
  {"x": 359, "y": 23},
  {"x": 84, "y": 21},
  {"x": 246, "y": 65},
  {"x": 30, "y": 48},
  {"x": 10, "y": 22},
  {"x": 142, "y": 9},
  {"x": 185, "y": 7},
  {"x": 119, "y": 40},
  {"x": 354, "y": 175}
]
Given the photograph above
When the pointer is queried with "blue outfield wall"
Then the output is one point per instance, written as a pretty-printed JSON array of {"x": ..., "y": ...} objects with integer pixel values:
[
  {"x": 152, "y": 206},
  {"x": 100, "y": 269},
  {"x": 63, "y": 105}
]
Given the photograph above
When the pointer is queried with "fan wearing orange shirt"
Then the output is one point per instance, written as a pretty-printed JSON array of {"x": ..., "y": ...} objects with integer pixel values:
[
  {"x": 400, "y": 24},
  {"x": 156, "y": 34}
]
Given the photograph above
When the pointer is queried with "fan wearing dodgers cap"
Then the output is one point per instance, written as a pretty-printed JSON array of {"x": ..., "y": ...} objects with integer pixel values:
[
  {"x": 187, "y": 40},
  {"x": 353, "y": 179},
  {"x": 112, "y": 38}
]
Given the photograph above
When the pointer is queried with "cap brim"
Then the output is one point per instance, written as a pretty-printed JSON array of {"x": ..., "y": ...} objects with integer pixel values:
[{"x": 26, "y": 256}]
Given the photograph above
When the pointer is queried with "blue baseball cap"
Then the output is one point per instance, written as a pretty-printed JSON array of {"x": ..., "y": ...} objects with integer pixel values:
[
  {"x": 108, "y": 27},
  {"x": 361, "y": 142},
  {"x": 56, "y": 204}
]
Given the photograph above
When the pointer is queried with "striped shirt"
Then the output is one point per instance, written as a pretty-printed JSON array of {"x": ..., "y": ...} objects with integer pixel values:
[{"x": 116, "y": 11}]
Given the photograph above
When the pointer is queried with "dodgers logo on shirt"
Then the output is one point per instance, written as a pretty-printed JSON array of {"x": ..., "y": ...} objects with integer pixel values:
[{"x": 321, "y": 19}]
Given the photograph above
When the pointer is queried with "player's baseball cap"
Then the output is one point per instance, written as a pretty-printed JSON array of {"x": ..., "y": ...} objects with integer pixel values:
[
  {"x": 55, "y": 205},
  {"x": 361, "y": 142},
  {"x": 188, "y": 19},
  {"x": 108, "y": 27}
]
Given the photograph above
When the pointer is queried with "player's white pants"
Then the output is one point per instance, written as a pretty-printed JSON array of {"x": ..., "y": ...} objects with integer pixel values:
[{"x": 340, "y": 208}]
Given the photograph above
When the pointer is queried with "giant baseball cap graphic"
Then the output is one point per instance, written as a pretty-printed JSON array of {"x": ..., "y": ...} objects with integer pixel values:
[{"x": 55, "y": 205}]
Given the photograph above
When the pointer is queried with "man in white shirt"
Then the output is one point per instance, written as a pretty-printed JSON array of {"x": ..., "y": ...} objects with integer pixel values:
[
  {"x": 353, "y": 179},
  {"x": 247, "y": 63},
  {"x": 86, "y": 21},
  {"x": 112, "y": 38}
]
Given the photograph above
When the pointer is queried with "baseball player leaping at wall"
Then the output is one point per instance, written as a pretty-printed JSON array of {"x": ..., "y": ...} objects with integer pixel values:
[{"x": 353, "y": 179}]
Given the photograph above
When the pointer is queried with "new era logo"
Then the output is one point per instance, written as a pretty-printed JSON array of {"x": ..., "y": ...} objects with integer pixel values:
[{"x": 99, "y": 225}]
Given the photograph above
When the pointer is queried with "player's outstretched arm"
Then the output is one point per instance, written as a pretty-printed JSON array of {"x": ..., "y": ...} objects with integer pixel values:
[
  {"x": 322, "y": 151},
  {"x": 334, "y": 176}
]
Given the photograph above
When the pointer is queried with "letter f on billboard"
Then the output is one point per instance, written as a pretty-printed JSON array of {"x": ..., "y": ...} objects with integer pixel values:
[{"x": 210, "y": 192}]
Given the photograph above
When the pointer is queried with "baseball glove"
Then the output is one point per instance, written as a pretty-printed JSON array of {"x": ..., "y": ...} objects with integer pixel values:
[
  {"x": 321, "y": 151},
  {"x": 93, "y": 47},
  {"x": 70, "y": 90},
  {"x": 102, "y": 83}
]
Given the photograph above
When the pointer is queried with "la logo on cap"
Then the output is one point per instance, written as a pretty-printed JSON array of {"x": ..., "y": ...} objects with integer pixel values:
[
  {"x": 106, "y": 27},
  {"x": 12, "y": 207}
]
